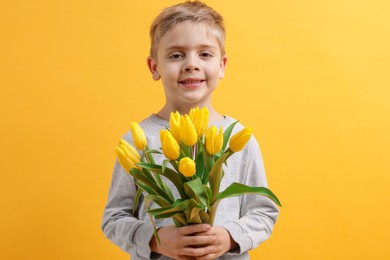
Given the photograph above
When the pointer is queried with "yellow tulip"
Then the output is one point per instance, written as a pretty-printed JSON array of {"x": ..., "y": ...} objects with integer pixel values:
[
  {"x": 214, "y": 140},
  {"x": 138, "y": 135},
  {"x": 170, "y": 147},
  {"x": 187, "y": 131},
  {"x": 129, "y": 149},
  {"x": 239, "y": 140},
  {"x": 174, "y": 125},
  {"x": 200, "y": 119},
  {"x": 187, "y": 167},
  {"x": 128, "y": 154},
  {"x": 128, "y": 157}
]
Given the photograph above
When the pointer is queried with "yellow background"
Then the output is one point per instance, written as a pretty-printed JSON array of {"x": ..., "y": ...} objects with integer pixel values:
[{"x": 311, "y": 78}]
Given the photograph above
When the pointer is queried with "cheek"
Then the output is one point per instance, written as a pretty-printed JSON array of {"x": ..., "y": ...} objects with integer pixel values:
[
  {"x": 214, "y": 73},
  {"x": 171, "y": 71}
]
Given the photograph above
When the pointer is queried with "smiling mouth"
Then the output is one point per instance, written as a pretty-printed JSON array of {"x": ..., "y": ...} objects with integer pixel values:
[{"x": 191, "y": 81}]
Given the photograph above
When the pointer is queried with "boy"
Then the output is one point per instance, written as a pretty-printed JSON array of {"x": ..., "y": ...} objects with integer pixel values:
[{"x": 188, "y": 55}]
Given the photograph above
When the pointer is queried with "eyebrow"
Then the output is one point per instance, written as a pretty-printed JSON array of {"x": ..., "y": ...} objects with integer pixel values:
[{"x": 199, "y": 46}]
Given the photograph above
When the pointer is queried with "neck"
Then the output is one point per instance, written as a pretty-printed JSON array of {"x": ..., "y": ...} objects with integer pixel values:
[{"x": 165, "y": 112}]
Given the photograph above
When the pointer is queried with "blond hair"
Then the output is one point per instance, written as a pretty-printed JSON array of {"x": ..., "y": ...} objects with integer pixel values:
[{"x": 194, "y": 11}]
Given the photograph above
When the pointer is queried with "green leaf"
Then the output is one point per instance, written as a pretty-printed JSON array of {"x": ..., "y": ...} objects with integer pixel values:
[
  {"x": 159, "y": 200},
  {"x": 147, "y": 202},
  {"x": 164, "y": 212},
  {"x": 153, "y": 151},
  {"x": 145, "y": 187},
  {"x": 148, "y": 175},
  {"x": 204, "y": 216},
  {"x": 165, "y": 215},
  {"x": 215, "y": 176},
  {"x": 192, "y": 204},
  {"x": 179, "y": 220},
  {"x": 186, "y": 150},
  {"x": 149, "y": 166},
  {"x": 199, "y": 161},
  {"x": 195, "y": 216},
  {"x": 157, "y": 180},
  {"x": 164, "y": 165},
  {"x": 237, "y": 189},
  {"x": 150, "y": 159},
  {"x": 138, "y": 175},
  {"x": 168, "y": 191},
  {"x": 226, "y": 135},
  {"x": 208, "y": 193},
  {"x": 175, "y": 179},
  {"x": 206, "y": 161},
  {"x": 137, "y": 196},
  {"x": 194, "y": 189},
  {"x": 155, "y": 233},
  {"x": 213, "y": 212},
  {"x": 148, "y": 155},
  {"x": 168, "y": 173},
  {"x": 176, "y": 167}
]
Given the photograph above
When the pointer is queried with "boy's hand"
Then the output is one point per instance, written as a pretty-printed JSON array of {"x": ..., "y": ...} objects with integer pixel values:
[
  {"x": 184, "y": 243},
  {"x": 223, "y": 243}
]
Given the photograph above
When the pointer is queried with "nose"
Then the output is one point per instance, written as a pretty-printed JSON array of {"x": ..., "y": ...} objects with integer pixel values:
[
  {"x": 190, "y": 68},
  {"x": 191, "y": 65}
]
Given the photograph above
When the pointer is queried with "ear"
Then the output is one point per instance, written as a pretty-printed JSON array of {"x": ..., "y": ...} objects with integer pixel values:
[
  {"x": 222, "y": 66},
  {"x": 152, "y": 65}
]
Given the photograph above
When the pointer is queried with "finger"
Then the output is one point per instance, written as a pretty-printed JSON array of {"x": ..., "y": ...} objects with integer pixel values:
[
  {"x": 185, "y": 257},
  {"x": 190, "y": 229},
  {"x": 198, "y": 251},
  {"x": 210, "y": 232},
  {"x": 198, "y": 240},
  {"x": 210, "y": 256}
]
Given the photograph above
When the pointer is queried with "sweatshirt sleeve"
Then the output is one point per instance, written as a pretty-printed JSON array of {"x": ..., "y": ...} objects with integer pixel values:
[
  {"x": 119, "y": 224},
  {"x": 258, "y": 214}
]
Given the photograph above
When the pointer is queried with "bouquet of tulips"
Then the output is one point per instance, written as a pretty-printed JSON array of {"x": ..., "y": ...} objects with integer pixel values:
[{"x": 196, "y": 155}]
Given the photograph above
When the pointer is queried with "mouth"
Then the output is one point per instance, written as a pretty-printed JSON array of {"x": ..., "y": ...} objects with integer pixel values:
[{"x": 191, "y": 83}]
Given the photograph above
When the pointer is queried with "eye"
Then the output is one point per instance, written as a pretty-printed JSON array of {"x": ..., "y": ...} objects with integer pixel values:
[
  {"x": 206, "y": 54},
  {"x": 175, "y": 56}
]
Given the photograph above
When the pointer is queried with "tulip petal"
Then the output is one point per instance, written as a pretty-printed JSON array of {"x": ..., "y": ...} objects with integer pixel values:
[
  {"x": 174, "y": 125},
  {"x": 240, "y": 139},
  {"x": 170, "y": 147},
  {"x": 138, "y": 135},
  {"x": 188, "y": 132},
  {"x": 187, "y": 167}
]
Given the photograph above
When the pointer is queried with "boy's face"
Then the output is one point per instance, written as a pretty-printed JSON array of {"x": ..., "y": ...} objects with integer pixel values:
[{"x": 189, "y": 64}]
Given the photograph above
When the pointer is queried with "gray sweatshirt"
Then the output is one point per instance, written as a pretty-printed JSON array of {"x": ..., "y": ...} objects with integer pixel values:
[{"x": 249, "y": 218}]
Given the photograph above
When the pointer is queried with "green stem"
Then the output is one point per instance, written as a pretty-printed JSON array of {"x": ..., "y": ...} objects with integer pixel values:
[
  {"x": 174, "y": 164},
  {"x": 150, "y": 159},
  {"x": 148, "y": 155},
  {"x": 230, "y": 153}
]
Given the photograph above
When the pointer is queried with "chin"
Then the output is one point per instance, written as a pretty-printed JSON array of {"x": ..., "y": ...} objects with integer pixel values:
[{"x": 195, "y": 101}]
